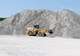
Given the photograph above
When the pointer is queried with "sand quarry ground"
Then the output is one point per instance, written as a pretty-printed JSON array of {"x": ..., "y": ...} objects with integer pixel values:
[{"x": 11, "y": 45}]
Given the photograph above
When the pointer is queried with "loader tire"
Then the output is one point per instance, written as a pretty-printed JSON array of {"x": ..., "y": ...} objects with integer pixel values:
[
  {"x": 40, "y": 34},
  {"x": 43, "y": 34},
  {"x": 30, "y": 33}
]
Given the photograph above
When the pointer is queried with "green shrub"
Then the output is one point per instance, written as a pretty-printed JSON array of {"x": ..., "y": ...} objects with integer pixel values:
[{"x": 1, "y": 19}]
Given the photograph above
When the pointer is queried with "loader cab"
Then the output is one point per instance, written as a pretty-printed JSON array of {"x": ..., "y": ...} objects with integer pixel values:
[{"x": 36, "y": 26}]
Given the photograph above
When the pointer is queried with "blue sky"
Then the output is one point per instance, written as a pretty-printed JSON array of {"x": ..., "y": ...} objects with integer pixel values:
[{"x": 10, "y": 7}]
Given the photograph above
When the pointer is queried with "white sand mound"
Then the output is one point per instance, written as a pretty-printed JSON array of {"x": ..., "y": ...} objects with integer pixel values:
[{"x": 66, "y": 22}]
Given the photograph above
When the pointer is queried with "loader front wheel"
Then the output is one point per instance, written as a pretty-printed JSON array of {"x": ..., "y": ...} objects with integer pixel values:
[
  {"x": 43, "y": 34},
  {"x": 30, "y": 33},
  {"x": 39, "y": 34}
]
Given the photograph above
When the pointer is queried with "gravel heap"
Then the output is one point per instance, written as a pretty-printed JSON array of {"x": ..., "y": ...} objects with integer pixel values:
[{"x": 64, "y": 23}]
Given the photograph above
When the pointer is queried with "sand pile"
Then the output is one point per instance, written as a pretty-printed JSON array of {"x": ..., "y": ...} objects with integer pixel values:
[{"x": 65, "y": 22}]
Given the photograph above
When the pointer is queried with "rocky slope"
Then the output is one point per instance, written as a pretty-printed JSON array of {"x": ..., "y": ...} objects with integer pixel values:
[{"x": 65, "y": 22}]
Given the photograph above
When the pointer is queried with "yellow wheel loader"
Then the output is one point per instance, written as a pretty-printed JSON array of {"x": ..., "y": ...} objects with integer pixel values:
[{"x": 36, "y": 30}]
